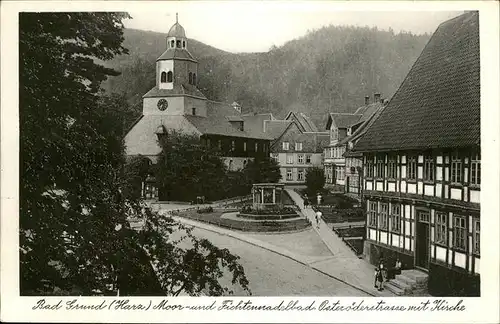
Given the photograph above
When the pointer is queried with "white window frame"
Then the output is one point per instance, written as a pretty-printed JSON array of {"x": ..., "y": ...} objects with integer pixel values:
[
  {"x": 384, "y": 216},
  {"x": 285, "y": 146},
  {"x": 456, "y": 168},
  {"x": 300, "y": 158},
  {"x": 289, "y": 174},
  {"x": 289, "y": 158},
  {"x": 300, "y": 174},
  {"x": 475, "y": 170},
  {"x": 395, "y": 218},
  {"x": 308, "y": 158},
  {"x": 298, "y": 146},
  {"x": 441, "y": 225},
  {"x": 459, "y": 232}
]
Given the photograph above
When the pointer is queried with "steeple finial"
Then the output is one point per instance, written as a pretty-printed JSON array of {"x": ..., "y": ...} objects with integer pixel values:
[{"x": 177, "y": 17}]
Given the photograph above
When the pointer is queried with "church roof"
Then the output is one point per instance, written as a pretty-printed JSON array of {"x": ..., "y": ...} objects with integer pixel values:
[
  {"x": 216, "y": 122},
  {"x": 179, "y": 89},
  {"x": 176, "y": 31},
  {"x": 178, "y": 54},
  {"x": 438, "y": 103}
]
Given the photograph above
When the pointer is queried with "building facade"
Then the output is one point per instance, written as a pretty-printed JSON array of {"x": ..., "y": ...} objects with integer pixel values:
[
  {"x": 176, "y": 104},
  {"x": 422, "y": 165},
  {"x": 296, "y": 147}
]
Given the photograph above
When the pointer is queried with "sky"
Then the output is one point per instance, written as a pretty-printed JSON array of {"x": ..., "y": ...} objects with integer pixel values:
[{"x": 251, "y": 27}]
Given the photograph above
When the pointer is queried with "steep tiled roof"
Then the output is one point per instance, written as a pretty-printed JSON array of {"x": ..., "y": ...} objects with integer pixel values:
[
  {"x": 303, "y": 121},
  {"x": 343, "y": 120},
  {"x": 254, "y": 123},
  {"x": 274, "y": 128},
  {"x": 367, "y": 111},
  {"x": 216, "y": 122},
  {"x": 179, "y": 89},
  {"x": 438, "y": 104},
  {"x": 177, "y": 53}
]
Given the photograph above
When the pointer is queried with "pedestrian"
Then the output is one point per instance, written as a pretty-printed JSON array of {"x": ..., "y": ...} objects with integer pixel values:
[
  {"x": 392, "y": 272},
  {"x": 319, "y": 214},
  {"x": 306, "y": 202},
  {"x": 379, "y": 279}
]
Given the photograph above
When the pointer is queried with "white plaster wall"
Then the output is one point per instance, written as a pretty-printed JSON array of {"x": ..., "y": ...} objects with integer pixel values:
[
  {"x": 428, "y": 190},
  {"x": 456, "y": 194},
  {"x": 439, "y": 173},
  {"x": 460, "y": 259},
  {"x": 477, "y": 266},
  {"x": 391, "y": 186},
  {"x": 440, "y": 253},
  {"x": 438, "y": 189},
  {"x": 164, "y": 66},
  {"x": 412, "y": 188},
  {"x": 369, "y": 185},
  {"x": 383, "y": 237},
  {"x": 380, "y": 186},
  {"x": 175, "y": 106},
  {"x": 475, "y": 196}
]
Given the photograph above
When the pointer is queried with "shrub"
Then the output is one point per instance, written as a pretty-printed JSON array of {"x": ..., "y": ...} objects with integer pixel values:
[
  {"x": 315, "y": 179},
  {"x": 205, "y": 210}
]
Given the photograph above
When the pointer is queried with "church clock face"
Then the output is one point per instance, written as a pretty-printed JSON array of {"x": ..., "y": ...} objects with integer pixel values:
[{"x": 162, "y": 104}]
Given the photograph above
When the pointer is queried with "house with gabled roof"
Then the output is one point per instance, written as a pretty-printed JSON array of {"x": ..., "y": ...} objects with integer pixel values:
[
  {"x": 422, "y": 166},
  {"x": 295, "y": 146},
  {"x": 176, "y": 103},
  {"x": 353, "y": 161},
  {"x": 341, "y": 126}
]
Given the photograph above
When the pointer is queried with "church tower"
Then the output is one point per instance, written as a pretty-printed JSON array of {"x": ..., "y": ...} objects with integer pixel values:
[{"x": 176, "y": 92}]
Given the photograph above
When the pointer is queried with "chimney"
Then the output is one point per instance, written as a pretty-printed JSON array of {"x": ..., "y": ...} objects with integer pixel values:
[
  {"x": 367, "y": 100},
  {"x": 376, "y": 97}
]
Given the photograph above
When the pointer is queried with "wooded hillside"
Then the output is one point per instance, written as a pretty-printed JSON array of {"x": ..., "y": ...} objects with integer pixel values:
[{"x": 327, "y": 70}]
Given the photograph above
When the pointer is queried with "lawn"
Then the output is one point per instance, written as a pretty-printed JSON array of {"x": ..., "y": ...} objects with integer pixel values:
[
  {"x": 351, "y": 232},
  {"x": 332, "y": 215},
  {"x": 264, "y": 226}
]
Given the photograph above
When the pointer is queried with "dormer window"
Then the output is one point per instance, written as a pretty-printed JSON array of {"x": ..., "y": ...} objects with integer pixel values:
[
  {"x": 163, "y": 77},
  {"x": 190, "y": 78},
  {"x": 170, "y": 76},
  {"x": 194, "y": 111},
  {"x": 178, "y": 44}
]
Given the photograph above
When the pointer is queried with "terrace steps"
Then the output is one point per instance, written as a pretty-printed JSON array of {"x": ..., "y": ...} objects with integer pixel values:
[{"x": 411, "y": 282}]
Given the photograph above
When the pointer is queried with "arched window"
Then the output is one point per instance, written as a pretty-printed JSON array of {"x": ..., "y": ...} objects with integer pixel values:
[
  {"x": 178, "y": 44},
  {"x": 172, "y": 43},
  {"x": 183, "y": 44},
  {"x": 163, "y": 77},
  {"x": 170, "y": 76},
  {"x": 190, "y": 78},
  {"x": 194, "y": 78}
]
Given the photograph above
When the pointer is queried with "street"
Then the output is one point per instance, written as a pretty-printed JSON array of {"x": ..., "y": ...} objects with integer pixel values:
[{"x": 271, "y": 274}]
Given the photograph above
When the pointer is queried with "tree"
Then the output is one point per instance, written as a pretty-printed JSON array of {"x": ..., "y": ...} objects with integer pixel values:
[
  {"x": 315, "y": 180},
  {"x": 262, "y": 170},
  {"x": 187, "y": 169},
  {"x": 73, "y": 228}
]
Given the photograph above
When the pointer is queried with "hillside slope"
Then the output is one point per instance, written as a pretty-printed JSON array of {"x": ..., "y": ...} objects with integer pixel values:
[{"x": 327, "y": 70}]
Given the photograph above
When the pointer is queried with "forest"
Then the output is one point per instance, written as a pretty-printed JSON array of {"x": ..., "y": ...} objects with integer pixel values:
[{"x": 330, "y": 69}]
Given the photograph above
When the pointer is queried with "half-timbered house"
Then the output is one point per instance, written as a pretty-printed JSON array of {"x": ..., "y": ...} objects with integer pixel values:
[{"x": 422, "y": 164}]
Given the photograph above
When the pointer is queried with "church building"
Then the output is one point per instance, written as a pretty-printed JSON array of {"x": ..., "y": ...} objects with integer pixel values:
[{"x": 176, "y": 103}]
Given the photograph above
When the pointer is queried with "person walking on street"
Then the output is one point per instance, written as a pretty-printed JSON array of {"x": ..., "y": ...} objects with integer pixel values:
[
  {"x": 306, "y": 202},
  {"x": 319, "y": 214}
]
